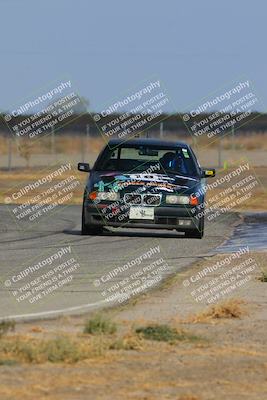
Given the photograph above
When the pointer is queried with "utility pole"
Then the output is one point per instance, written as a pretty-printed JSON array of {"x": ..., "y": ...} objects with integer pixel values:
[
  {"x": 220, "y": 152},
  {"x": 87, "y": 132},
  {"x": 84, "y": 142},
  {"x": 233, "y": 137},
  {"x": 161, "y": 130},
  {"x": 87, "y": 137},
  {"x": 53, "y": 141},
  {"x": 9, "y": 160}
]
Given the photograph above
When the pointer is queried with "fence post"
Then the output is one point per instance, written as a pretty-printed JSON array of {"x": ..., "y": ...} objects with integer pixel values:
[
  {"x": 9, "y": 160},
  {"x": 87, "y": 136},
  {"x": 233, "y": 137},
  {"x": 161, "y": 130},
  {"x": 52, "y": 142},
  {"x": 220, "y": 152}
]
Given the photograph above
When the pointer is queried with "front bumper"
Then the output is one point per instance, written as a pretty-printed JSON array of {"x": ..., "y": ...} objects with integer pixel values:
[{"x": 170, "y": 217}]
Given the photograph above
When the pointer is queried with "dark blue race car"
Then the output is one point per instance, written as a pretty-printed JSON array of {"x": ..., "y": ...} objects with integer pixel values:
[{"x": 145, "y": 183}]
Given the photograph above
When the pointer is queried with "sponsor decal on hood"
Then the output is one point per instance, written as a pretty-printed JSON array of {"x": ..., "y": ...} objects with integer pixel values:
[{"x": 116, "y": 181}]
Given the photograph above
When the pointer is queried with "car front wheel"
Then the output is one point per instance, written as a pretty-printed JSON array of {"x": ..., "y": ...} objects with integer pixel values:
[
  {"x": 196, "y": 233},
  {"x": 90, "y": 229}
]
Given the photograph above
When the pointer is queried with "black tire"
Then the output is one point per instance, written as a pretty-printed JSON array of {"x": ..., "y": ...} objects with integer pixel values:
[
  {"x": 89, "y": 229},
  {"x": 193, "y": 234},
  {"x": 196, "y": 233}
]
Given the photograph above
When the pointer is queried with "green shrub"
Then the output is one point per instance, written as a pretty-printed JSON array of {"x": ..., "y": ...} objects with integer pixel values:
[
  {"x": 263, "y": 277},
  {"x": 164, "y": 333},
  {"x": 6, "y": 326},
  {"x": 99, "y": 325},
  {"x": 8, "y": 362},
  {"x": 62, "y": 349}
]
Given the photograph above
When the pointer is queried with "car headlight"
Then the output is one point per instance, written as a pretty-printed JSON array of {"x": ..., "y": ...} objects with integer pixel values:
[
  {"x": 112, "y": 196},
  {"x": 173, "y": 199}
]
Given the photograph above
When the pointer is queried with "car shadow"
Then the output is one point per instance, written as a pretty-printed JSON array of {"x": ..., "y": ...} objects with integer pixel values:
[
  {"x": 129, "y": 233},
  {"x": 72, "y": 232}
]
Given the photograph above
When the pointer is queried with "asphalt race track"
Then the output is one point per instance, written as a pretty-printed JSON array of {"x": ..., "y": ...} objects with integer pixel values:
[{"x": 98, "y": 269}]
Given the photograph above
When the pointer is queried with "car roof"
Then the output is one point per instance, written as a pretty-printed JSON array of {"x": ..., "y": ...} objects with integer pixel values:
[{"x": 146, "y": 142}]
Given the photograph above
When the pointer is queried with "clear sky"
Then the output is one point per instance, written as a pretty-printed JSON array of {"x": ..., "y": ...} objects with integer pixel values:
[{"x": 107, "y": 47}]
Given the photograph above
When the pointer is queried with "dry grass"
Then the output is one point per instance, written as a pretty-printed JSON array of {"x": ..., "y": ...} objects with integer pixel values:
[
  {"x": 67, "y": 349},
  {"x": 232, "y": 308},
  {"x": 36, "y": 329},
  {"x": 24, "y": 349},
  {"x": 256, "y": 202},
  {"x": 99, "y": 339},
  {"x": 69, "y": 143},
  {"x": 11, "y": 182},
  {"x": 157, "y": 370},
  {"x": 251, "y": 141},
  {"x": 129, "y": 341}
]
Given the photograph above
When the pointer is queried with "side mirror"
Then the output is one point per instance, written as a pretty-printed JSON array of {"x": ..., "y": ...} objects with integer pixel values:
[
  {"x": 208, "y": 173},
  {"x": 84, "y": 167}
]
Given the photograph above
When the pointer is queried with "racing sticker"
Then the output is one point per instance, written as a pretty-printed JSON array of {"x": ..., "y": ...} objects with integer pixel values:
[{"x": 159, "y": 182}]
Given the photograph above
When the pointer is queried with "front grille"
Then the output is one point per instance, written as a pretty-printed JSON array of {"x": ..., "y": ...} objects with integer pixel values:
[
  {"x": 132, "y": 198},
  {"x": 151, "y": 199},
  {"x": 142, "y": 199}
]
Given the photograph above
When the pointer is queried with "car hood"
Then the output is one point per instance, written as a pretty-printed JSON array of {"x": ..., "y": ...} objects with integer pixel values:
[{"x": 103, "y": 181}]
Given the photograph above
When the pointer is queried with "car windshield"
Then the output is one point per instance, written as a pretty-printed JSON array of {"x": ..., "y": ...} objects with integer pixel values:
[{"x": 143, "y": 159}]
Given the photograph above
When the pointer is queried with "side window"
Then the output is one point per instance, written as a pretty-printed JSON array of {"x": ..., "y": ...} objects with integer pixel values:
[
  {"x": 198, "y": 166},
  {"x": 114, "y": 154}
]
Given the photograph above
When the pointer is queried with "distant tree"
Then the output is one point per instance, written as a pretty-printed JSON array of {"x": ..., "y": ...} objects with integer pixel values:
[
  {"x": 24, "y": 149},
  {"x": 82, "y": 106},
  {"x": 85, "y": 101},
  {"x": 79, "y": 108}
]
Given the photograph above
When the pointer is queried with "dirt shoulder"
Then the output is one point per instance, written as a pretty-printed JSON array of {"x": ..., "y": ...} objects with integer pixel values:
[{"x": 216, "y": 358}]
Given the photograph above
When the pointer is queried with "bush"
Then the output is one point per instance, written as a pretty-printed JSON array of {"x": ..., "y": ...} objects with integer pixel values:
[
  {"x": 263, "y": 277},
  {"x": 99, "y": 325},
  {"x": 55, "y": 350},
  {"x": 231, "y": 308},
  {"x": 6, "y": 326},
  {"x": 164, "y": 333},
  {"x": 62, "y": 349}
]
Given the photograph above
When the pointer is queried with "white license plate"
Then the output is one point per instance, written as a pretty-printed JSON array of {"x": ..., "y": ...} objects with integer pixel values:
[{"x": 141, "y": 212}]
